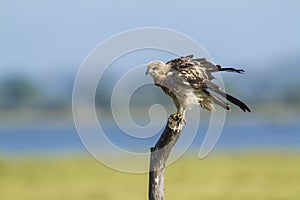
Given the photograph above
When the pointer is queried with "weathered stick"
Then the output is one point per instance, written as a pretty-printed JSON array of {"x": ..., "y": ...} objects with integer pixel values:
[{"x": 159, "y": 155}]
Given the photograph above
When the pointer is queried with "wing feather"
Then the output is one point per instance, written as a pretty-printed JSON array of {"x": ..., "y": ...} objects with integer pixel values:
[{"x": 198, "y": 73}]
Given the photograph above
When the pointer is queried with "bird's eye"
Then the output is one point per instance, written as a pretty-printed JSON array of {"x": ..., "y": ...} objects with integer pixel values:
[{"x": 154, "y": 68}]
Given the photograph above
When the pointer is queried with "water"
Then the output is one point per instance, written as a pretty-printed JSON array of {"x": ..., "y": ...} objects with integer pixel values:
[
  {"x": 39, "y": 141},
  {"x": 56, "y": 141}
]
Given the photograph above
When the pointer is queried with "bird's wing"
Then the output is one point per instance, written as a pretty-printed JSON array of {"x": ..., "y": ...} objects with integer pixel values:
[
  {"x": 198, "y": 74},
  {"x": 191, "y": 72},
  {"x": 181, "y": 62}
]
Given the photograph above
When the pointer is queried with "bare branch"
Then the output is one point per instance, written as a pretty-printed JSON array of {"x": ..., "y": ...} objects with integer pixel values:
[{"x": 159, "y": 156}]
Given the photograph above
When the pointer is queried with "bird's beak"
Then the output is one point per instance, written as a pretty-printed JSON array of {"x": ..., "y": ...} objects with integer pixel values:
[{"x": 147, "y": 72}]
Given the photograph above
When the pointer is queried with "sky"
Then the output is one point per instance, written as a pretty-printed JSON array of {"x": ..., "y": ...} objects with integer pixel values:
[{"x": 40, "y": 37}]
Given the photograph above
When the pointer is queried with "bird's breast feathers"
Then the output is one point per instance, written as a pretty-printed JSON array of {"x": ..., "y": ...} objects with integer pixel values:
[{"x": 179, "y": 85}]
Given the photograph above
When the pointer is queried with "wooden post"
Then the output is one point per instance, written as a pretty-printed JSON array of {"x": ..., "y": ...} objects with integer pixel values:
[{"x": 159, "y": 155}]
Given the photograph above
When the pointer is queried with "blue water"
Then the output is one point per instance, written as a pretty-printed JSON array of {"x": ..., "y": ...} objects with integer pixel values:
[
  {"x": 55, "y": 141},
  {"x": 39, "y": 141}
]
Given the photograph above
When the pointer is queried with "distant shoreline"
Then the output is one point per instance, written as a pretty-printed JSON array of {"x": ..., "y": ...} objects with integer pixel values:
[{"x": 281, "y": 113}]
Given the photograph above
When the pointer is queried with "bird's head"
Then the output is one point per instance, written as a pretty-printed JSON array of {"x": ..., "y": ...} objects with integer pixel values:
[{"x": 157, "y": 69}]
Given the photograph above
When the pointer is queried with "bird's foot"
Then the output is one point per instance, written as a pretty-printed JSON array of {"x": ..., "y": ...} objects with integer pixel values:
[
  {"x": 177, "y": 121},
  {"x": 179, "y": 117}
]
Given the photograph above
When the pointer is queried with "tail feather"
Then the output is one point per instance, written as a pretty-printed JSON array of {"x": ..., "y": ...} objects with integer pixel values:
[
  {"x": 219, "y": 102},
  {"x": 234, "y": 100}
]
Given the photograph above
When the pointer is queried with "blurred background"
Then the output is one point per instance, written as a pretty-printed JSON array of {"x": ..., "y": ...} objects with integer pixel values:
[{"x": 43, "y": 44}]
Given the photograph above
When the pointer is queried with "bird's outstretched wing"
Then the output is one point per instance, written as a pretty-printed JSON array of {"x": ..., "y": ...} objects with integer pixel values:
[{"x": 198, "y": 74}]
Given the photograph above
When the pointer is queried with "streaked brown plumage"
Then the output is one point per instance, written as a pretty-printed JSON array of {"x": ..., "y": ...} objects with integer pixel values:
[{"x": 188, "y": 82}]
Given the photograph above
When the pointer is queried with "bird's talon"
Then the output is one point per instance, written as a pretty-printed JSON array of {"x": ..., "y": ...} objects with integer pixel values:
[{"x": 179, "y": 117}]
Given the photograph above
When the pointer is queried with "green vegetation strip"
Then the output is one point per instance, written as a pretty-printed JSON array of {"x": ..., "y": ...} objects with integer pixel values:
[{"x": 229, "y": 176}]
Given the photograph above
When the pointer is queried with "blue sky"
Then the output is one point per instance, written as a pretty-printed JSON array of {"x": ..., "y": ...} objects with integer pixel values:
[{"x": 46, "y": 36}]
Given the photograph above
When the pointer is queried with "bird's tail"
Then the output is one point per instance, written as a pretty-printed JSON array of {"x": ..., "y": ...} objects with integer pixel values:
[
  {"x": 219, "y": 102},
  {"x": 234, "y": 100}
]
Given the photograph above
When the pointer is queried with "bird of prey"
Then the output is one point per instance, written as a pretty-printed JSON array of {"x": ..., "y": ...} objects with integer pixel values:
[{"x": 188, "y": 82}]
